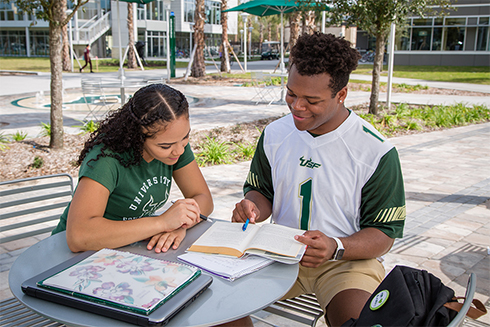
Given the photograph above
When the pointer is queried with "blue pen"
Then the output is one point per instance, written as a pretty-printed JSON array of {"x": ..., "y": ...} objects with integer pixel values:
[{"x": 244, "y": 227}]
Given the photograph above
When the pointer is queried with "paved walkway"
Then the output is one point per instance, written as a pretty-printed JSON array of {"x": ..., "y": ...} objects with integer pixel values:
[{"x": 447, "y": 184}]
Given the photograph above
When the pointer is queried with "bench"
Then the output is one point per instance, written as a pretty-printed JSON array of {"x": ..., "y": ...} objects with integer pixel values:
[
  {"x": 30, "y": 207},
  {"x": 303, "y": 309}
]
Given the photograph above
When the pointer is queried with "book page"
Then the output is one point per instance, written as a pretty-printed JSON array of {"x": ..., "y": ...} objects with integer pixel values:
[
  {"x": 277, "y": 239},
  {"x": 123, "y": 279},
  {"x": 225, "y": 238},
  {"x": 224, "y": 266}
]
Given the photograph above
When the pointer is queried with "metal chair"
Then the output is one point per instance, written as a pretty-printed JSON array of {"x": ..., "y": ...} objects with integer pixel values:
[
  {"x": 98, "y": 103},
  {"x": 33, "y": 206},
  {"x": 265, "y": 90},
  {"x": 470, "y": 293}
]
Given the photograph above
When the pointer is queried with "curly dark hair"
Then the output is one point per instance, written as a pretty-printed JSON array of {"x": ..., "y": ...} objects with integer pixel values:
[
  {"x": 320, "y": 53},
  {"x": 126, "y": 129}
]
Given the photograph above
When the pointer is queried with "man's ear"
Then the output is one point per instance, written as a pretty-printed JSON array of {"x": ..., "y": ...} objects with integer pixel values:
[{"x": 342, "y": 94}]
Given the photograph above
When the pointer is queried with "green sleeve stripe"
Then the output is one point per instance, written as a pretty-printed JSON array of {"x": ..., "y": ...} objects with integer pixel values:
[{"x": 367, "y": 130}]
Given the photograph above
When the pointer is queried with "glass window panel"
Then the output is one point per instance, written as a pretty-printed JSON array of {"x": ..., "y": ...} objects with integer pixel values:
[
  {"x": 456, "y": 21},
  {"x": 472, "y": 20},
  {"x": 453, "y": 38},
  {"x": 421, "y": 38},
  {"x": 437, "y": 39},
  {"x": 422, "y": 22},
  {"x": 2, "y": 15},
  {"x": 438, "y": 21},
  {"x": 484, "y": 20},
  {"x": 481, "y": 39}
]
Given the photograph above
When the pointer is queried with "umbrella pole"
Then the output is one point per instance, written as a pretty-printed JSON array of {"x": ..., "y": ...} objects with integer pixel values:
[
  {"x": 282, "y": 44},
  {"x": 121, "y": 69}
]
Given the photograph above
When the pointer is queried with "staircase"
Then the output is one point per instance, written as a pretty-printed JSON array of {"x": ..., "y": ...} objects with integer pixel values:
[{"x": 91, "y": 30}]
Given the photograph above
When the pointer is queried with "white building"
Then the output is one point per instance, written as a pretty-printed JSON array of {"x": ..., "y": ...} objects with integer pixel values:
[{"x": 97, "y": 25}]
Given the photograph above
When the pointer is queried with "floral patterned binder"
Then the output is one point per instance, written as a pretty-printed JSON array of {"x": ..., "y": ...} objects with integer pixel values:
[{"x": 122, "y": 279}]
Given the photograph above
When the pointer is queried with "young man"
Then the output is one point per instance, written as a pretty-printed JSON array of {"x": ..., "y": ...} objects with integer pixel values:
[
  {"x": 86, "y": 56},
  {"x": 325, "y": 170}
]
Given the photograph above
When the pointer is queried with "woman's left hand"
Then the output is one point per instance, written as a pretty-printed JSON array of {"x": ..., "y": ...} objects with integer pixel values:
[{"x": 163, "y": 241}]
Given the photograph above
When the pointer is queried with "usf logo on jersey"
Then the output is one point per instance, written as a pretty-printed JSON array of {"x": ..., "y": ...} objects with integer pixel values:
[{"x": 308, "y": 163}]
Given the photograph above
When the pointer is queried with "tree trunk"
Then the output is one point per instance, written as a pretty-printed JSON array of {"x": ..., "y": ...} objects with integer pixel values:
[
  {"x": 225, "y": 56},
  {"x": 261, "y": 35},
  {"x": 131, "y": 55},
  {"x": 55, "y": 45},
  {"x": 66, "y": 41},
  {"x": 310, "y": 26},
  {"x": 294, "y": 21},
  {"x": 198, "y": 67},
  {"x": 377, "y": 66}
]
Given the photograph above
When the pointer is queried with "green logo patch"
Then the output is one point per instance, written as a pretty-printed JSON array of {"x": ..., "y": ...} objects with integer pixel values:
[{"x": 379, "y": 300}]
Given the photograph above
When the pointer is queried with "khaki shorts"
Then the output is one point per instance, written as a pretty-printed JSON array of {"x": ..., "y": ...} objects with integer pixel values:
[{"x": 333, "y": 277}]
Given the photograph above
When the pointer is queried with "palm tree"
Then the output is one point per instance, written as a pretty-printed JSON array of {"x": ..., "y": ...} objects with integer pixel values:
[
  {"x": 65, "y": 52},
  {"x": 294, "y": 23},
  {"x": 225, "y": 56},
  {"x": 131, "y": 54},
  {"x": 198, "y": 66}
]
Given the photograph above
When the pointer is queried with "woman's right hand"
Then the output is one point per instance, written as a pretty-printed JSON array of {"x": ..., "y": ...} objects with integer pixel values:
[{"x": 183, "y": 213}]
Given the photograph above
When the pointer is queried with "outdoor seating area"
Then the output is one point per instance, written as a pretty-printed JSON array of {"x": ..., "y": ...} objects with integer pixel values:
[{"x": 266, "y": 92}]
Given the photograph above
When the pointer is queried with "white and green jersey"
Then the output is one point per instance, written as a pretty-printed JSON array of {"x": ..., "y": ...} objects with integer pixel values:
[{"x": 338, "y": 183}]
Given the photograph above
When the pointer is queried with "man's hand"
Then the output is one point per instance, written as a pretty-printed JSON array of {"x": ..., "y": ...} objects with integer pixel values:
[
  {"x": 163, "y": 241},
  {"x": 320, "y": 248},
  {"x": 244, "y": 210}
]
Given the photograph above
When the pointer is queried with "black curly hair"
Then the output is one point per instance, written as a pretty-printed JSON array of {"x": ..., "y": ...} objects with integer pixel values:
[
  {"x": 126, "y": 130},
  {"x": 320, "y": 53}
]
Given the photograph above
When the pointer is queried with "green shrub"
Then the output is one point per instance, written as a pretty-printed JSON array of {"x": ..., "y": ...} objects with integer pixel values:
[
  {"x": 19, "y": 136},
  {"x": 245, "y": 151},
  {"x": 46, "y": 129},
  {"x": 38, "y": 162},
  {"x": 88, "y": 127},
  {"x": 213, "y": 152}
]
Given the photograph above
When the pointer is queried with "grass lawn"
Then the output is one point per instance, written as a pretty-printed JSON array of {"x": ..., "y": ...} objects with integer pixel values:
[
  {"x": 456, "y": 74},
  {"x": 102, "y": 65}
]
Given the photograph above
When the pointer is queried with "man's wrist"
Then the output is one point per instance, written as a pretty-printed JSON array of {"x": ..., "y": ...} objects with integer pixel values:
[{"x": 339, "y": 250}]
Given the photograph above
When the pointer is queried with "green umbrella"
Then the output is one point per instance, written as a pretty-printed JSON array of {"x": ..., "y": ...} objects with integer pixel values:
[{"x": 274, "y": 7}]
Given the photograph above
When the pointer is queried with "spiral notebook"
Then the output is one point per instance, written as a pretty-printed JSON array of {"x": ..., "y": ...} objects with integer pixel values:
[{"x": 121, "y": 285}]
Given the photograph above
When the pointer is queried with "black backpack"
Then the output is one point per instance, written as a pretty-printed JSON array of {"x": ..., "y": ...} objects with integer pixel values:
[{"x": 408, "y": 297}]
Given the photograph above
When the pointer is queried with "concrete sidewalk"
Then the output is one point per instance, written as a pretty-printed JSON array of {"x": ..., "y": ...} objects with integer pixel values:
[{"x": 446, "y": 174}]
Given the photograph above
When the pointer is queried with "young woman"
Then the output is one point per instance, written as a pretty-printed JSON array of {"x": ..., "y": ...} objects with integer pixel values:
[{"x": 126, "y": 170}]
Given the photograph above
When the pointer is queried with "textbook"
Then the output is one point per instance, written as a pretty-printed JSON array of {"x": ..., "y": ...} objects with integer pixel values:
[
  {"x": 229, "y": 268},
  {"x": 123, "y": 280},
  {"x": 271, "y": 241}
]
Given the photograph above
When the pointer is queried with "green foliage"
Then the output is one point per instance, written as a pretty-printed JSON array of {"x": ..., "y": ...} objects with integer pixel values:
[
  {"x": 46, "y": 129},
  {"x": 213, "y": 152},
  {"x": 37, "y": 163},
  {"x": 19, "y": 136},
  {"x": 245, "y": 151},
  {"x": 3, "y": 140},
  {"x": 403, "y": 87},
  {"x": 88, "y": 127},
  {"x": 405, "y": 117}
]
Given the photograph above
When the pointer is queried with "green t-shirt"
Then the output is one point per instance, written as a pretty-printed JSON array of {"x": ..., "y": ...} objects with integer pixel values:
[{"x": 135, "y": 192}]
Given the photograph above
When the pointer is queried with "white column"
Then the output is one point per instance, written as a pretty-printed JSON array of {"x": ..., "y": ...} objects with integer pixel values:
[
  {"x": 391, "y": 47},
  {"x": 244, "y": 18}
]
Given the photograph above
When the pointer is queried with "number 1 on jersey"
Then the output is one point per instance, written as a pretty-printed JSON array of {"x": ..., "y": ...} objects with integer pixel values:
[{"x": 305, "y": 195}]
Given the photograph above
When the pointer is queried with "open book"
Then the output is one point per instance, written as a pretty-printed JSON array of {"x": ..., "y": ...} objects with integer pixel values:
[
  {"x": 271, "y": 241},
  {"x": 123, "y": 280}
]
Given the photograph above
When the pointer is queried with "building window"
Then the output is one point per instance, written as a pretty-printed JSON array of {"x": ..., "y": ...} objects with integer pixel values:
[
  {"x": 445, "y": 34},
  {"x": 12, "y": 43},
  {"x": 189, "y": 8},
  {"x": 39, "y": 42},
  {"x": 482, "y": 42},
  {"x": 156, "y": 44},
  {"x": 155, "y": 10}
]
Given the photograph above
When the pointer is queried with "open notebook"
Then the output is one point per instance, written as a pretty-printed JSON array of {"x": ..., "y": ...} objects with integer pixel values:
[{"x": 121, "y": 285}]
